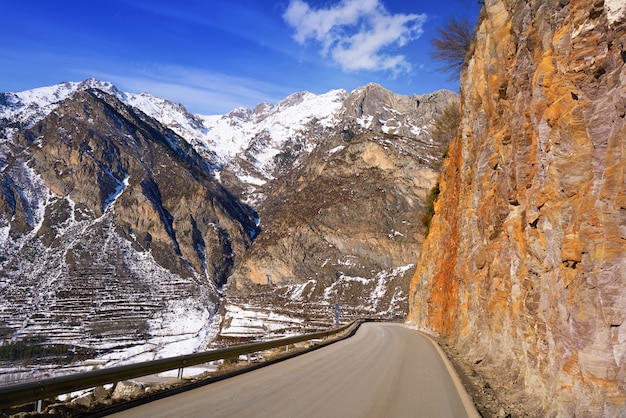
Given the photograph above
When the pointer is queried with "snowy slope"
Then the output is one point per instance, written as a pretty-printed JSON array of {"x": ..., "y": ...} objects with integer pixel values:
[{"x": 229, "y": 134}]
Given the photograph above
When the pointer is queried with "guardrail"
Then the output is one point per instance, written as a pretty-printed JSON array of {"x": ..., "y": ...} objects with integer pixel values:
[{"x": 23, "y": 393}]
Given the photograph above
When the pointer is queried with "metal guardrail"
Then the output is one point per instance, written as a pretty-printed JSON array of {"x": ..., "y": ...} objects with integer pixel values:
[{"x": 35, "y": 391}]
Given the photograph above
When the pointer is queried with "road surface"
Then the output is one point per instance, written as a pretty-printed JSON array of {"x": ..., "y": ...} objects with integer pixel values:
[{"x": 384, "y": 370}]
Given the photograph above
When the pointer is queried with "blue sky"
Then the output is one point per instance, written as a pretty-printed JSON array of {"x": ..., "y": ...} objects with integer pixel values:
[{"x": 213, "y": 56}]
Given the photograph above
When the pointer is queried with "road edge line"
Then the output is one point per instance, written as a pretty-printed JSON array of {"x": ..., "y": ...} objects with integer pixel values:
[{"x": 466, "y": 399}]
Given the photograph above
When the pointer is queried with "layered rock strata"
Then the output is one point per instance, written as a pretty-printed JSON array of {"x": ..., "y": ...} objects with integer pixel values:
[{"x": 524, "y": 270}]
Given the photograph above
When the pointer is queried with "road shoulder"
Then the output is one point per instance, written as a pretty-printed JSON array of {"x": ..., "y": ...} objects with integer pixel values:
[{"x": 466, "y": 399}]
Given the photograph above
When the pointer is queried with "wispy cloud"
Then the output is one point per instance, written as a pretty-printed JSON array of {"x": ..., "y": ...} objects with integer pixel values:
[
  {"x": 201, "y": 91},
  {"x": 357, "y": 34}
]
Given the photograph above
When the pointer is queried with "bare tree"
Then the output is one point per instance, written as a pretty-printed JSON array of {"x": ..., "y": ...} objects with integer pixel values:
[{"x": 451, "y": 44}]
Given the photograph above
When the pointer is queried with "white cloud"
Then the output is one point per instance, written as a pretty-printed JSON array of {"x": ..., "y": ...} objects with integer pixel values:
[{"x": 356, "y": 33}]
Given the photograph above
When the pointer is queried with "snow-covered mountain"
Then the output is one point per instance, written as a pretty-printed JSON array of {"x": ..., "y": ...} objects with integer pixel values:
[
  {"x": 219, "y": 137},
  {"x": 251, "y": 143},
  {"x": 114, "y": 234},
  {"x": 122, "y": 213},
  {"x": 23, "y": 109}
]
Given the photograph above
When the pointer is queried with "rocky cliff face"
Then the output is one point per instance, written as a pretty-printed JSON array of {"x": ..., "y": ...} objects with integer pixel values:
[
  {"x": 524, "y": 270},
  {"x": 342, "y": 225},
  {"x": 113, "y": 231}
]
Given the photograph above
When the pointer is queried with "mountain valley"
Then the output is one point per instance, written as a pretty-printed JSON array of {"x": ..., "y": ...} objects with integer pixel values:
[{"x": 132, "y": 229}]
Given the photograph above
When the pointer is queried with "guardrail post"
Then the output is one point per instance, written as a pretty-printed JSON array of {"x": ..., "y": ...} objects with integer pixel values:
[
  {"x": 180, "y": 373},
  {"x": 38, "y": 405},
  {"x": 248, "y": 358}
]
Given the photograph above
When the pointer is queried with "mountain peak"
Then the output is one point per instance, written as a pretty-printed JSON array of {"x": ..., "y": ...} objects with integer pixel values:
[
  {"x": 94, "y": 84},
  {"x": 368, "y": 87}
]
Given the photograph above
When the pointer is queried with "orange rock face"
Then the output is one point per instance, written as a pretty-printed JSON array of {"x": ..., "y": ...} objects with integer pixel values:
[{"x": 524, "y": 269}]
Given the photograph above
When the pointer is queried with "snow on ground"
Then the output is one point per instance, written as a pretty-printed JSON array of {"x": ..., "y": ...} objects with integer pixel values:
[
  {"x": 246, "y": 322},
  {"x": 252, "y": 180},
  {"x": 379, "y": 285},
  {"x": 415, "y": 130},
  {"x": 297, "y": 291},
  {"x": 366, "y": 121},
  {"x": 121, "y": 186}
]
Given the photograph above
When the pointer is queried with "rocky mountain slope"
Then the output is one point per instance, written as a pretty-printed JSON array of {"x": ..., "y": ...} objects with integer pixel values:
[
  {"x": 340, "y": 227},
  {"x": 121, "y": 215},
  {"x": 524, "y": 268},
  {"x": 260, "y": 145},
  {"x": 114, "y": 234}
]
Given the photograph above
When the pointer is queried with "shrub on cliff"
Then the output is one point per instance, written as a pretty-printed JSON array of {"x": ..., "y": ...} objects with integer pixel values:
[
  {"x": 450, "y": 45},
  {"x": 447, "y": 125},
  {"x": 430, "y": 208}
]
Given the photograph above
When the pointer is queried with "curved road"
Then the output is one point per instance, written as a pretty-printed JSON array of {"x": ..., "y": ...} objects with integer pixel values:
[{"x": 384, "y": 370}]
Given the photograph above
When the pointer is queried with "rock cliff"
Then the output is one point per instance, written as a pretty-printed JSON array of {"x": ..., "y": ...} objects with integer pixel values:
[{"x": 524, "y": 269}]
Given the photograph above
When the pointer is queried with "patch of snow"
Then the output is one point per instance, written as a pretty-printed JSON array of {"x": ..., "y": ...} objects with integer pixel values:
[
  {"x": 347, "y": 262},
  {"x": 416, "y": 130},
  {"x": 246, "y": 322},
  {"x": 355, "y": 279},
  {"x": 366, "y": 121},
  {"x": 4, "y": 234},
  {"x": 395, "y": 233},
  {"x": 297, "y": 290},
  {"x": 116, "y": 193},
  {"x": 391, "y": 110}
]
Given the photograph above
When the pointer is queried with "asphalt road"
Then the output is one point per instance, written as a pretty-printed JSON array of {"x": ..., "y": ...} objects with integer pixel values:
[{"x": 384, "y": 370}]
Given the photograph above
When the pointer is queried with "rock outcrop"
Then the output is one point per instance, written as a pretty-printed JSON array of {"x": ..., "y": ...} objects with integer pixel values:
[{"x": 524, "y": 269}]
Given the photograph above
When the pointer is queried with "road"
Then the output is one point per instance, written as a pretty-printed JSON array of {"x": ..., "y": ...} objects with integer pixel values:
[{"x": 384, "y": 370}]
